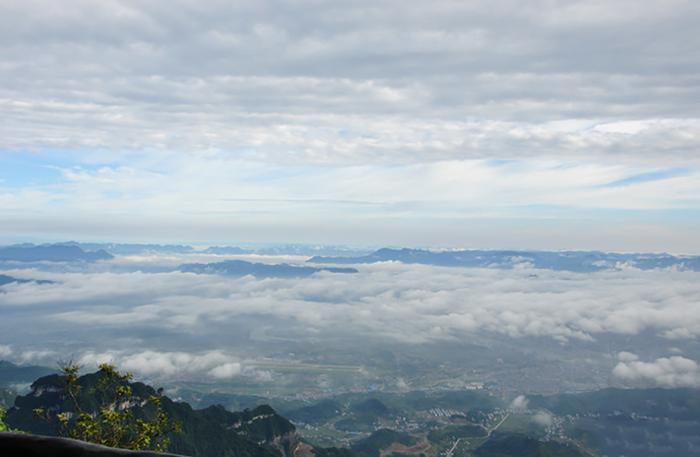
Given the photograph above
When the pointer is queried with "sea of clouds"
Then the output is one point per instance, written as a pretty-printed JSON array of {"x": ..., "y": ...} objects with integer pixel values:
[{"x": 171, "y": 322}]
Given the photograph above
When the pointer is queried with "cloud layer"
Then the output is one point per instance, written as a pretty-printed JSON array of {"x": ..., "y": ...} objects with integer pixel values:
[
  {"x": 328, "y": 83},
  {"x": 405, "y": 121},
  {"x": 173, "y": 365},
  {"x": 675, "y": 371},
  {"x": 391, "y": 302}
]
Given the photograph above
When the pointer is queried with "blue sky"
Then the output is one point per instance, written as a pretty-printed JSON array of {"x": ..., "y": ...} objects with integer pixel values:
[
  {"x": 474, "y": 125},
  {"x": 20, "y": 170},
  {"x": 649, "y": 176},
  {"x": 473, "y": 203}
]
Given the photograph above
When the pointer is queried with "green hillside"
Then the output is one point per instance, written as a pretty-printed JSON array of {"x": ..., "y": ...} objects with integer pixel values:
[
  {"x": 381, "y": 439},
  {"x": 318, "y": 413},
  {"x": 209, "y": 432},
  {"x": 511, "y": 445}
]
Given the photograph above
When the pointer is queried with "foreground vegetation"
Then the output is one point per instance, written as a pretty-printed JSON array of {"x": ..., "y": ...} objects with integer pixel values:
[
  {"x": 108, "y": 408},
  {"x": 107, "y": 415}
]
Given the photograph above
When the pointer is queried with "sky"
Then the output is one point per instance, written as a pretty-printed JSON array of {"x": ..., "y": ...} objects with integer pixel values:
[{"x": 478, "y": 124}]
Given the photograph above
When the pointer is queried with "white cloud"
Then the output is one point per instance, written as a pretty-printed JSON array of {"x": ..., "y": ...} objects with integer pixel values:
[
  {"x": 627, "y": 357},
  {"x": 5, "y": 351},
  {"x": 675, "y": 371},
  {"x": 226, "y": 371},
  {"x": 332, "y": 85},
  {"x": 35, "y": 356},
  {"x": 159, "y": 116},
  {"x": 402, "y": 385},
  {"x": 209, "y": 196},
  {"x": 348, "y": 83},
  {"x": 149, "y": 322},
  {"x": 262, "y": 376},
  {"x": 542, "y": 418},
  {"x": 519, "y": 403},
  {"x": 412, "y": 303},
  {"x": 27, "y": 356},
  {"x": 153, "y": 364}
]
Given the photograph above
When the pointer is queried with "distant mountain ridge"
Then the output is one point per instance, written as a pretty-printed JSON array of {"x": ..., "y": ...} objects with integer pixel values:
[
  {"x": 259, "y": 270},
  {"x": 4, "y": 279},
  {"x": 11, "y": 373},
  {"x": 227, "y": 250},
  {"x": 577, "y": 261},
  {"x": 134, "y": 248},
  {"x": 264, "y": 249},
  {"x": 51, "y": 253}
]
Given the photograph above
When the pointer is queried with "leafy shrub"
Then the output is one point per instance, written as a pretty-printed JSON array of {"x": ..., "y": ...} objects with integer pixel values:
[{"x": 117, "y": 419}]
